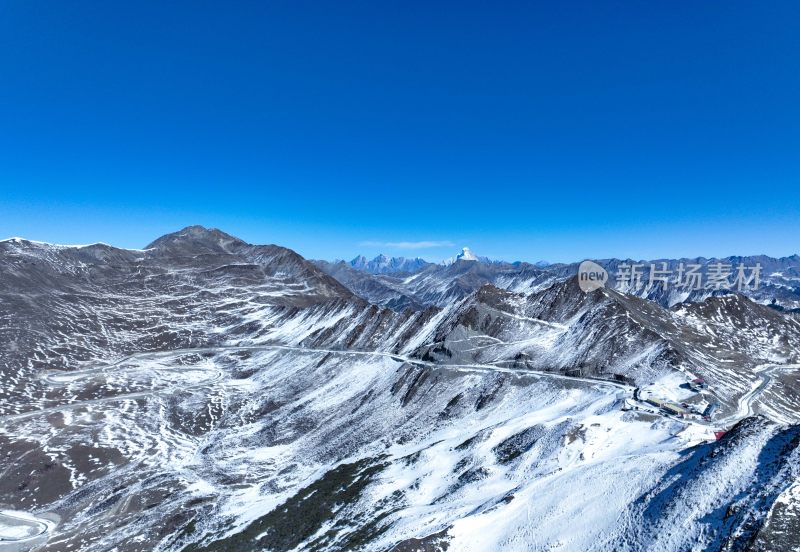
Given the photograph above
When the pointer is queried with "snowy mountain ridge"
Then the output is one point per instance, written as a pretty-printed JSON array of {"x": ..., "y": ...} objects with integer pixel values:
[
  {"x": 385, "y": 265},
  {"x": 210, "y": 394}
]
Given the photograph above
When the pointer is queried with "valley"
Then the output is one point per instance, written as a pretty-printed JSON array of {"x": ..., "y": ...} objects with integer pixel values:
[{"x": 208, "y": 394}]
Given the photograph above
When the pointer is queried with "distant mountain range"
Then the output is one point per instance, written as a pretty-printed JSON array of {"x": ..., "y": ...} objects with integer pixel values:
[
  {"x": 419, "y": 284},
  {"x": 385, "y": 265},
  {"x": 204, "y": 393},
  {"x": 392, "y": 265}
]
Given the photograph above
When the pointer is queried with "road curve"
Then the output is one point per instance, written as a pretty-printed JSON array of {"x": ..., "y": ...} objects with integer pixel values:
[{"x": 10, "y": 519}]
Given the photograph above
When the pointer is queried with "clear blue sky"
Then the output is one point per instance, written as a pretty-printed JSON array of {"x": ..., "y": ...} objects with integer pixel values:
[{"x": 531, "y": 130}]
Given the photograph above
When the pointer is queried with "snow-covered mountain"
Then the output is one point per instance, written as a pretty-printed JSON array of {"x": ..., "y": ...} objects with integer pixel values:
[
  {"x": 438, "y": 285},
  {"x": 467, "y": 255},
  {"x": 386, "y": 265},
  {"x": 204, "y": 393},
  {"x": 385, "y": 290}
]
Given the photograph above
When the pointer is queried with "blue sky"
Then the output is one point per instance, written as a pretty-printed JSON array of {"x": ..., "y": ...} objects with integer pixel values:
[{"x": 530, "y": 131}]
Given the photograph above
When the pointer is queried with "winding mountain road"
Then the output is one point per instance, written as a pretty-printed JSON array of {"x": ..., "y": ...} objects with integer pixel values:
[
  {"x": 743, "y": 410},
  {"x": 744, "y": 406},
  {"x": 64, "y": 378},
  {"x": 19, "y": 527}
]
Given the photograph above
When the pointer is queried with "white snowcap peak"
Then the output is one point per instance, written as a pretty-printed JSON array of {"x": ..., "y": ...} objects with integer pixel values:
[{"x": 466, "y": 255}]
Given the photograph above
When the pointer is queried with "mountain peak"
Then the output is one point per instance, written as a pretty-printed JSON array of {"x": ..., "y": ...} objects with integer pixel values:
[
  {"x": 466, "y": 255},
  {"x": 196, "y": 239},
  {"x": 359, "y": 262}
]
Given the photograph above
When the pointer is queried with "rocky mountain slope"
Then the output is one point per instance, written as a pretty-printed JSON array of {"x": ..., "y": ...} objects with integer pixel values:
[{"x": 208, "y": 394}]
